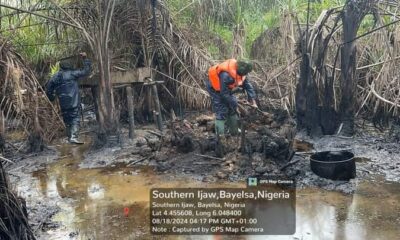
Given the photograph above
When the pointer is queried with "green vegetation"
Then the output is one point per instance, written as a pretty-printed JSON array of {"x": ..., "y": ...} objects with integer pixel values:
[
  {"x": 39, "y": 42},
  {"x": 49, "y": 40},
  {"x": 220, "y": 17},
  {"x": 34, "y": 37}
]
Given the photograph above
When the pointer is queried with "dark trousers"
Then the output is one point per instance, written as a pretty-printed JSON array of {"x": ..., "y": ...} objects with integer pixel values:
[
  {"x": 71, "y": 116},
  {"x": 219, "y": 105}
]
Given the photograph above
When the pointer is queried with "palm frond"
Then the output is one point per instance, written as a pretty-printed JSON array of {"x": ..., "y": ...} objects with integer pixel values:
[
  {"x": 13, "y": 216},
  {"x": 22, "y": 97}
]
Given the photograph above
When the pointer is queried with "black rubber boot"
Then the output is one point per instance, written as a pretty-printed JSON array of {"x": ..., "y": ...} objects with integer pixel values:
[
  {"x": 75, "y": 134},
  {"x": 233, "y": 124},
  {"x": 68, "y": 131},
  {"x": 220, "y": 146}
]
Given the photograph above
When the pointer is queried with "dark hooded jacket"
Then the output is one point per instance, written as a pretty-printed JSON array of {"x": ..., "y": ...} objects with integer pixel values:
[{"x": 65, "y": 85}]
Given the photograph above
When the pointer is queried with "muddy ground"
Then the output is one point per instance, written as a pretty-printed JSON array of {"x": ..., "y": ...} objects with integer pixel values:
[{"x": 79, "y": 192}]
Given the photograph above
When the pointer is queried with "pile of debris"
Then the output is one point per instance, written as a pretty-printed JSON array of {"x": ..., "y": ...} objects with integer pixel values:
[
  {"x": 263, "y": 146},
  {"x": 189, "y": 145}
]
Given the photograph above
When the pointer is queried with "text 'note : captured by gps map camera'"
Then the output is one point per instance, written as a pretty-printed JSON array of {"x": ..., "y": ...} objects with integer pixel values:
[{"x": 265, "y": 207}]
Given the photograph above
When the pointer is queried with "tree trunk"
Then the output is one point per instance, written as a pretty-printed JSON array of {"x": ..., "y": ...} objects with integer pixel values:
[
  {"x": 158, "y": 116},
  {"x": 328, "y": 113},
  {"x": 106, "y": 108},
  {"x": 351, "y": 21},
  {"x": 106, "y": 98},
  {"x": 239, "y": 38},
  {"x": 313, "y": 122},
  {"x": 301, "y": 91},
  {"x": 307, "y": 96},
  {"x": 129, "y": 98}
]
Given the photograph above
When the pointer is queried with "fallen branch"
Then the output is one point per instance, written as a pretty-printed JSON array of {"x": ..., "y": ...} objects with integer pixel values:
[
  {"x": 286, "y": 68},
  {"x": 210, "y": 157},
  {"x": 340, "y": 129},
  {"x": 381, "y": 98},
  {"x": 289, "y": 164},
  {"x": 5, "y": 159},
  {"x": 199, "y": 90},
  {"x": 206, "y": 163},
  {"x": 304, "y": 153},
  {"x": 155, "y": 133},
  {"x": 12, "y": 145},
  {"x": 368, "y": 66},
  {"x": 138, "y": 161},
  {"x": 15, "y": 169}
]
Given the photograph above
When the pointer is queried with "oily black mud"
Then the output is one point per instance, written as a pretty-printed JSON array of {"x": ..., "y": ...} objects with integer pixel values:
[
  {"x": 76, "y": 192},
  {"x": 112, "y": 203}
]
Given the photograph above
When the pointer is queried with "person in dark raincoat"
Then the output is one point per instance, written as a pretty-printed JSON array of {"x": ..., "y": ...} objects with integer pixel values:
[{"x": 65, "y": 85}]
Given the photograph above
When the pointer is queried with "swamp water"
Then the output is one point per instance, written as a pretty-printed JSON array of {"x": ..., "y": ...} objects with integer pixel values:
[{"x": 113, "y": 203}]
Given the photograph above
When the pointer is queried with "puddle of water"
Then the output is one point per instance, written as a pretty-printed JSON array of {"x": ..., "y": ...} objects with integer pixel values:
[
  {"x": 101, "y": 197},
  {"x": 302, "y": 146}
]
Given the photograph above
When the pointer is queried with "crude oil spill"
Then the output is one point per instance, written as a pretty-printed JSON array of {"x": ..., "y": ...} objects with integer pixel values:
[
  {"x": 302, "y": 146},
  {"x": 112, "y": 203},
  {"x": 102, "y": 203}
]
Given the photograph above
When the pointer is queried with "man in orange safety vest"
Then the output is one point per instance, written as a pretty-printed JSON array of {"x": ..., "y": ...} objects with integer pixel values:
[{"x": 223, "y": 78}]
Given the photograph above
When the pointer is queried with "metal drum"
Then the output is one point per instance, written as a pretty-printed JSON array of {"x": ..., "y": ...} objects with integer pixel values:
[{"x": 335, "y": 165}]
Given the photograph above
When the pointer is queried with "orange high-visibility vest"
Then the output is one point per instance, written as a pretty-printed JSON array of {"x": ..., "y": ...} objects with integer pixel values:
[{"x": 229, "y": 66}]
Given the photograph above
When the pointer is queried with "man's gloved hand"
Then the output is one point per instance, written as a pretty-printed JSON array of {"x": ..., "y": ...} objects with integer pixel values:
[
  {"x": 252, "y": 103},
  {"x": 237, "y": 90}
]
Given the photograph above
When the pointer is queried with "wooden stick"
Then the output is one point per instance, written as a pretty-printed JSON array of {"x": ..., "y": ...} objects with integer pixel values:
[
  {"x": 242, "y": 135},
  {"x": 340, "y": 129},
  {"x": 305, "y": 153},
  {"x": 12, "y": 145},
  {"x": 129, "y": 96},
  {"x": 138, "y": 161},
  {"x": 210, "y": 157},
  {"x": 289, "y": 164},
  {"x": 15, "y": 169},
  {"x": 153, "y": 83},
  {"x": 158, "y": 108},
  {"x": 155, "y": 133},
  {"x": 370, "y": 65},
  {"x": 199, "y": 90},
  {"x": 5, "y": 159},
  {"x": 206, "y": 163},
  {"x": 381, "y": 98},
  {"x": 51, "y": 43}
]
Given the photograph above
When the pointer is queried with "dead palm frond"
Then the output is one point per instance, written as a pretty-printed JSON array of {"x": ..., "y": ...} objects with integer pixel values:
[
  {"x": 13, "y": 215},
  {"x": 151, "y": 34},
  {"x": 22, "y": 98}
]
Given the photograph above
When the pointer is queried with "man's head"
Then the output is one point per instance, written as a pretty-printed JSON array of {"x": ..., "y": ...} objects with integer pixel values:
[
  {"x": 66, "y": 64},
  {"x": 244, "y": 68}
]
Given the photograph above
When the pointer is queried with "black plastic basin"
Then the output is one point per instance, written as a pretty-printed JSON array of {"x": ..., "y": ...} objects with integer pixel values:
[{"x": 335, "y": 165}]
